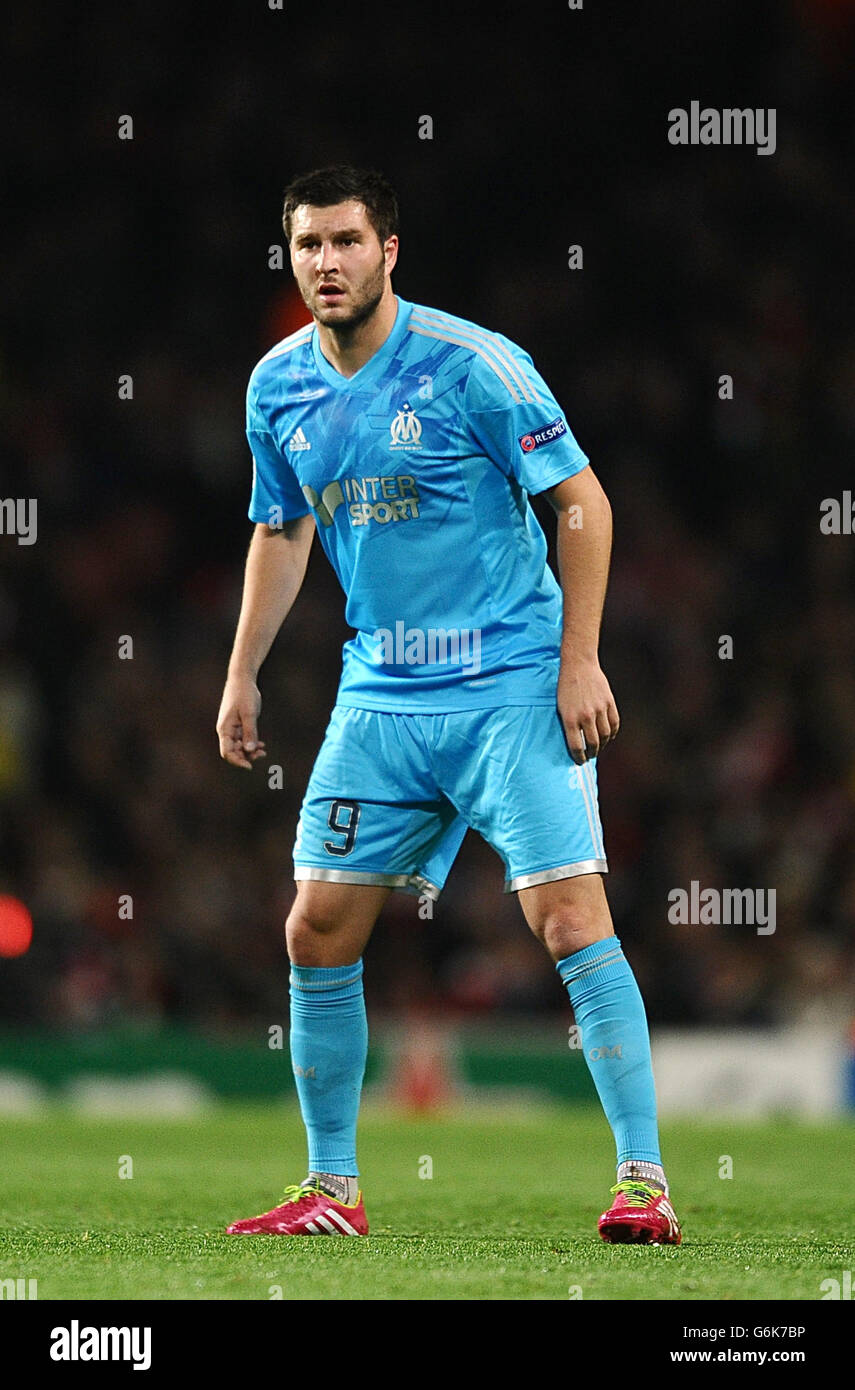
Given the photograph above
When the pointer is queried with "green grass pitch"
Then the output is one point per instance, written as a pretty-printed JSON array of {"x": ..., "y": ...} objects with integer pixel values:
[{"x": 509, "y": 1213}]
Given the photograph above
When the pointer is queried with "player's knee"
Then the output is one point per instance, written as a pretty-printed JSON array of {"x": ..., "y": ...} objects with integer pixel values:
[
  {"x": 303, "y": 929},
  {"x": 563, "y": 929},
  {"x": 571, "y": 916}
]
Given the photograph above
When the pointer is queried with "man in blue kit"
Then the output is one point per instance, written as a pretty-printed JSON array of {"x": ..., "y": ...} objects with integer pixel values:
[{"x": 471, "y": 695}]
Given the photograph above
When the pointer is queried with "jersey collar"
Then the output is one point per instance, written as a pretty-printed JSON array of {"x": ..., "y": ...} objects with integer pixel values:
[{"x": 375, "y": 364}]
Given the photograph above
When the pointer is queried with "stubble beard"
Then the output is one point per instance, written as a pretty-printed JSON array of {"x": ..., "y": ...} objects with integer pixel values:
[{"x": 370, "y": 295}]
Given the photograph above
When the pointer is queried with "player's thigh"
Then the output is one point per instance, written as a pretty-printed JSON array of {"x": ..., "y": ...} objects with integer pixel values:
[
  {"x": 510, "y": 774},
  {"x": 330, "y": 923},
  {"x": 372, "y": 814}
]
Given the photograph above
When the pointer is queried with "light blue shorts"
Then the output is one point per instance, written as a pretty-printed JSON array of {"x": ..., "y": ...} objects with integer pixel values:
[{"x": 391, "y": 796}]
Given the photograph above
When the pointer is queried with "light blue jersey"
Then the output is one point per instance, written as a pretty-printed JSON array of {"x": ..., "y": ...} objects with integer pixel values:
[{"x": 417, "y": 471}]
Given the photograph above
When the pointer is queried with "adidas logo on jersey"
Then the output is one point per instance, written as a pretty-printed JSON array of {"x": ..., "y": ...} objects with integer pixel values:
[{"x": 298, "y": 440}]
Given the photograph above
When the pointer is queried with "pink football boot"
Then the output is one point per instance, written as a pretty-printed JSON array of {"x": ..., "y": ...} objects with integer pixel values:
[
  {"x": 640, "y": 1215},
  {"x": 306, "y": 1211}
]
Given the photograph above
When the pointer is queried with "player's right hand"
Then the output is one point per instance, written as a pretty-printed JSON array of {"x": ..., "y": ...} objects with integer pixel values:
[{"x": 237, "y": 722}]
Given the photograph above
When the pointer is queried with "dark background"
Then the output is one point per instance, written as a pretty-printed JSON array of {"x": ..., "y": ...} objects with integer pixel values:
[{"x": 150, "y": 257}]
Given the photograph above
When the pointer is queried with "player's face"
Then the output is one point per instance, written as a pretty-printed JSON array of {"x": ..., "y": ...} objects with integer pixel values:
[{"x": 338, "y": 262}]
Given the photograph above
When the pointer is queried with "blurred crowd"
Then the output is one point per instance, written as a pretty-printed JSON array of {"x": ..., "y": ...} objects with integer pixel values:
[{"x": 150, "y": 258}]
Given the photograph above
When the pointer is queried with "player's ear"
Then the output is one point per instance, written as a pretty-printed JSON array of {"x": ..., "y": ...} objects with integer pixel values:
[{"x": 390, "y": 251}]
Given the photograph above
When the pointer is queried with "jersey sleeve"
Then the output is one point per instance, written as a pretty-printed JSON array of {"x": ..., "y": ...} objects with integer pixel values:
[
  {"x": 276, "y": 494},
  {"x": 517, "y": 421}
]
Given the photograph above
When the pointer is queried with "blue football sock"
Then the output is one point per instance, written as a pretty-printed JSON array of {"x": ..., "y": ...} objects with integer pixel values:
[
  {"x": 612, "y": 1024},
  {"x": 329, "y": 1045}
]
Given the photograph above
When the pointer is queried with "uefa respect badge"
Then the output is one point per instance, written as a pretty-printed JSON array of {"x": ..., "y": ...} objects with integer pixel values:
[{"x": 544, "y": 435}]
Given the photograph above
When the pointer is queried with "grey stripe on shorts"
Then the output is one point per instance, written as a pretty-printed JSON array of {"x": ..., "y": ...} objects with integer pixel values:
[
  {"x": 410, "y": 883},
  {"x": 584, "y": 866}
]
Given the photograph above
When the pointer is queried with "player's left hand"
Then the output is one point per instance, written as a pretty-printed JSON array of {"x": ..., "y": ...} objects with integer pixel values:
[{"x": 587, "y": 709}]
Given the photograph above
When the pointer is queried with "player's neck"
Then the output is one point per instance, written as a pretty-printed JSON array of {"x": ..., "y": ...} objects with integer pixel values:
[{"x": 347, "y": 349}]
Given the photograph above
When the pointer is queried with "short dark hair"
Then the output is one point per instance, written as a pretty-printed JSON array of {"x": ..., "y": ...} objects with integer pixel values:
[{"x": 341, "y": 183}]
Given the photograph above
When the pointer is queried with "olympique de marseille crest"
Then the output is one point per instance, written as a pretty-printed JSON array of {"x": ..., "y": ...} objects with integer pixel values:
[{"x": 406, "y": 429}]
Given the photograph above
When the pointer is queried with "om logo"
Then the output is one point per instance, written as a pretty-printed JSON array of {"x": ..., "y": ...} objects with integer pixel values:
[{"x": 406, "y": 429}]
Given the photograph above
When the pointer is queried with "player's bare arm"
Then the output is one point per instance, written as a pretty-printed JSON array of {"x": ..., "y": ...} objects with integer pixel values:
[
  {"x": 275, "y": 569},
  {"x": 585, "y": 701}
]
